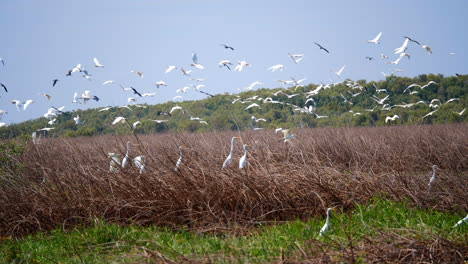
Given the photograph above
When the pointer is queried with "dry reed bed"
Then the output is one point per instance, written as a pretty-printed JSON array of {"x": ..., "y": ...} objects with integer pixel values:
[{"x": 67, "y": 181}]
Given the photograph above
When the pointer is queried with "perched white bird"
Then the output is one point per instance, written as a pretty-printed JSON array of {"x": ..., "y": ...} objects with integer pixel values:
[
  {"x": 340, "y": 71},
  {"x": 276, "y": 67},
  {"x": 403, "y": 47},
  {"x": 243, "y": 159},
  {"x": 27, "y": 103},
  {"x": 296, "y": 57},
  {"x": 139, "y": 162},
  {"x": 115, "y": 162},
  {"x": 170, "y": 68},
  {"x": 462, "y": 221},
  {"x": 119, "y": 119},
  {"x": 433, "y": 177},
  {"x": 97, "y": 63},
  {"x": 126, "y": 159},
  {"x": 228, "y": 160},
  {"x": 326, "y": 226},
  {"x": 376, "y": 39},
  {"x": 391, "y": 118},
  {"x": 180, "y": 160}
]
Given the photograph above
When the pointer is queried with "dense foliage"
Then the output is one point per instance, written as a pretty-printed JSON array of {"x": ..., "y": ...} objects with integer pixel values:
[{"x": 222, "y": 114}]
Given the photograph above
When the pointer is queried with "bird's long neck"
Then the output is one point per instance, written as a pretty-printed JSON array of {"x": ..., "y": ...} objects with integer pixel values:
[
  {"x": 245, "y": 151},
  {"x": 180, "y": 153},
  {"x": 328, "y": 218},
  {"x": 128, "y": 148},
  {"x": 232, "y": 146}
]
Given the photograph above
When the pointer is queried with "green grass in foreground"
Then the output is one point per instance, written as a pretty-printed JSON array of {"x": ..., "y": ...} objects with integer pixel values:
[{"x": 108, "y": 243}]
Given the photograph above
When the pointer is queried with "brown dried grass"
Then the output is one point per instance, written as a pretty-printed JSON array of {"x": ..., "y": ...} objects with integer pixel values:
[{"x": 66, "y": 181}]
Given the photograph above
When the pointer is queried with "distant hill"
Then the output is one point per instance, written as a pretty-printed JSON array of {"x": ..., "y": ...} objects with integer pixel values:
[{"x": 285, "y": 109}]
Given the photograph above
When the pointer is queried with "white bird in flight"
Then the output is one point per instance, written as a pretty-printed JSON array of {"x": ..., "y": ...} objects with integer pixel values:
[
  {"x": 97, "y": 63},
  {"x": 170, "y": 68},
  {"x": 27, "y": 103},
  {"x": 240, "y": 66},
  {"x": 296, "y": 57},
  {"x": 276, "y": 67},
  {"x": 119, "y": 119},
  {"x": 391, "y": 118},
  {"x": 176, "y": 108},
  {"x": 340, "y": 71},
  {"x": 427, "y": 48},
  {"x": 376, "y": 39},
  {"x": 403, "y": 47}
]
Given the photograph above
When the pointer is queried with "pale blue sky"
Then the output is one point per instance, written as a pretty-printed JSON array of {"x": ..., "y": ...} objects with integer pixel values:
[{"x": 42, "y": 40}]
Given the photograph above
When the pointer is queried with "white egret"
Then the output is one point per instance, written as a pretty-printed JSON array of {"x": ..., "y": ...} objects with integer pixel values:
[
  {"x": 243, "y": 159},
  {"x": 77, "y": 120},
  {"x": 18, "y": 104},
  {"x": 160, "y": 83},
  {"x": 430, "y": 113},
  {"x": 460, "y": 113},
  {"x": 139, "y": 162},
  {"x": 159, "y": 121},
  {"x": 276, "y": 67},
  {"x": 119, "y": 119},
  {"x": 228, "y": 160},
  {"x": 296, "y": 57},
  {"x": 427, "y": 48},
  {"x": 287, "y": 136},
  {"x": 140, "y": 74},
  {"x": 240, "y": 65},
  {"x": 176, "y": 108},
  {"x": 391, "y": 118},
  {"x": 135, "y": 124},
  {"x": 27, "y": 103},
  {"x": 3, "y": 124},
  {"x": 148, "y": 94},
  {"x": 97, "y": 63},
  {"x": 180, "y": 160},
  {"x": 376, "y": 39},
  {"x": 403, "y": 47},
  {"x": 253, "y": 105},
  {"x": 340, "y": 71},
  {"x": 433, "y": 177},
  {"x": 170, "y": 68},
  {"x": 326, "y": 226},
  {"x": 127, "y": 156},
  {"x": 115, "y": 162},
  {"x": 108, "y": 82}
]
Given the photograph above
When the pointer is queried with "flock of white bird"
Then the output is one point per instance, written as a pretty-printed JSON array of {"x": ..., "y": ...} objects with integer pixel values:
[{"x": 117, "y": 163}]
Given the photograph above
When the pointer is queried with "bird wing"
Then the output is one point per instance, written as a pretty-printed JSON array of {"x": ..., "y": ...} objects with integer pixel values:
[
  {"x": 376, "y": 39},
  {"x": 194, "y": 58},
  {"x": 118, "y": 119}
]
